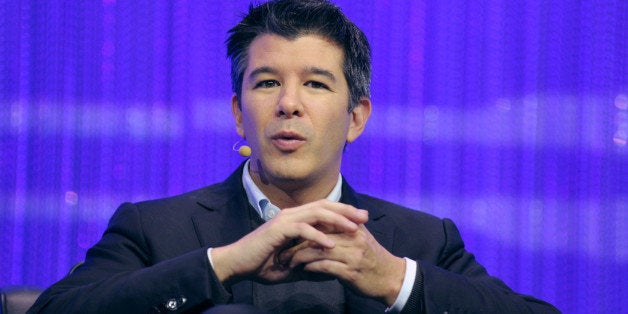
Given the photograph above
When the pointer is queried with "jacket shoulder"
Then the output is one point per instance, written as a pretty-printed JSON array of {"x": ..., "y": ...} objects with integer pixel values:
[
  {"x": 212, "y": 196},
  {"x": 396, "y": 211}
]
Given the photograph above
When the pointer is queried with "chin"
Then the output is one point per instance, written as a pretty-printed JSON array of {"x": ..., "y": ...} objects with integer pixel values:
[{"x": 288, "y": 169}]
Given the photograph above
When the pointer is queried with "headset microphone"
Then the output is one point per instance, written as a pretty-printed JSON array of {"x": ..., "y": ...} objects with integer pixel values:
[{"x": 244, "y": 150}]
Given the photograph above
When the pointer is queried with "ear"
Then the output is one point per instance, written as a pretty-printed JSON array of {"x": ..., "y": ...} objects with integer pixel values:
[
  {"x": 358, "y": 116},
  {"x": 237, "y": 115}
]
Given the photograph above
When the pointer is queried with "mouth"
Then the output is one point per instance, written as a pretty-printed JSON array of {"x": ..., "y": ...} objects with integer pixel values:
[{"x": 287, "y": 141}]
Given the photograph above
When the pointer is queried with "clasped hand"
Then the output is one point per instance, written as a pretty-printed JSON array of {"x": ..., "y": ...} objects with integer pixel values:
[{"x": 318, "y": 239}]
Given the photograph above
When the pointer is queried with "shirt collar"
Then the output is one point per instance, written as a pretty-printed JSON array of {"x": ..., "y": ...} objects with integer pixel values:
[{"x": 257, "y": 198}]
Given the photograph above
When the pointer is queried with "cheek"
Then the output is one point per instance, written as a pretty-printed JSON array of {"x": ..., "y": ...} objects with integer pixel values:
[
  {"x": 251, "y": 123},
  {"x": 248, "y": 125},
  {"x": 256, "y": 112},
  {"x": 336, "y": 128}
]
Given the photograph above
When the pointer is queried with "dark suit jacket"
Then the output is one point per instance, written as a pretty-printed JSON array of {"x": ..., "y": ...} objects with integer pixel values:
[{"x": 152, "y": 257}]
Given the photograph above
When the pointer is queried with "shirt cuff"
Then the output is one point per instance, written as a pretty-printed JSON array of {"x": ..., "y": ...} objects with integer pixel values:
[
  {"x": 406, "y": 287},
  {"x": 209, "y": 256}
]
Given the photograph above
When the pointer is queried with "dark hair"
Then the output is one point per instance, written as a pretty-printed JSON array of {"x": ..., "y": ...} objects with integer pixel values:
[{"x": 294, "y": 18}]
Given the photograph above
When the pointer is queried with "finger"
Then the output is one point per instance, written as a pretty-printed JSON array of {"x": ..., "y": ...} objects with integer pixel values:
[
  {"x": 348, "y": 247},
  {"x": 358, "y": 216},
  {"x": 306, "y": 232},
  {"x": 327, "y": 216},
  {"x": 344, "y": 242},
  {"x": 333, "y": 268},
  {"x": 285, "y": 256},
  {"x": 324, "y": 220},
  {"x": 311, "y": 253}
]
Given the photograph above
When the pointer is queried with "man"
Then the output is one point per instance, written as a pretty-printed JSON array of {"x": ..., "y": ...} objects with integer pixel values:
[{"x": 286, "y": 233}]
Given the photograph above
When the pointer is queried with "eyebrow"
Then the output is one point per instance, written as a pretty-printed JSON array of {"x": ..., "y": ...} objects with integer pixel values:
[
  {"x": 261, "y": 70},
  {"x": 323, "y": 72},
  {"x": 309, "y": 70}
]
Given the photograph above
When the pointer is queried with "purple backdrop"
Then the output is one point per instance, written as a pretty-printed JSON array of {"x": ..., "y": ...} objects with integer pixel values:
[{"x": 510, "y": 117}]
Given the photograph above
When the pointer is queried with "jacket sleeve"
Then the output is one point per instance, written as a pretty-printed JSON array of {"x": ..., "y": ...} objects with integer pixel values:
[
  {"x": 455, "y": 282},
  {"x": 119, "y": 276}
]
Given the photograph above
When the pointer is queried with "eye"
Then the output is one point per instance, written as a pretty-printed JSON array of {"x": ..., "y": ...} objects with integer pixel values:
[
  {"x": 317, "y": 85},
  {"x": 267, "y": 84}
]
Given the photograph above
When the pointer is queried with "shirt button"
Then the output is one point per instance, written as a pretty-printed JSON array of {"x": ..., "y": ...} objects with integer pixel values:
[
  {"x": 172, "y": 304},
  {"x": 273, "y": 213}
]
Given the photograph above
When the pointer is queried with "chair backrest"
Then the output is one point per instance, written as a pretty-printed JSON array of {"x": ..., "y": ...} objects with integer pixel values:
[{"x": 18, "y": 299}]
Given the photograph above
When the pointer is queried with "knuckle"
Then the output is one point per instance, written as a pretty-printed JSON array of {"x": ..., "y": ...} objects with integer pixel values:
[
  {"x": 354, "y": 275},
  {"x": 301, "y": 225},
  {"x": 286, "y": 211}
]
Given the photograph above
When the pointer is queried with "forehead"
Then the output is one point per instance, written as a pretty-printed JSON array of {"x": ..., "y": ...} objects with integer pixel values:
[{"x": 270, "y": 50}]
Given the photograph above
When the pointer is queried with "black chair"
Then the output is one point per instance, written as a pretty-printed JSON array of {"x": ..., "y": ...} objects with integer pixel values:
[{"x": 18, "y": 299}]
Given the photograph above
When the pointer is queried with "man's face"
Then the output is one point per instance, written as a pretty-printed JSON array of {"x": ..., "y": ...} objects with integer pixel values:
[{"x": 293, "y": 109}]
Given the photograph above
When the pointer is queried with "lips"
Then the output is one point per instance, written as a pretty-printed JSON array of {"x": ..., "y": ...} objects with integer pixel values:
[{"x": 287, "y": 141}]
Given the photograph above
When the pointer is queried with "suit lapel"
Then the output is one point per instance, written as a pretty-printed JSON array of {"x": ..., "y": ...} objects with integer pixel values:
[
  {"x": 226, "y": 220},
  {"x": 226, "y": 216}
]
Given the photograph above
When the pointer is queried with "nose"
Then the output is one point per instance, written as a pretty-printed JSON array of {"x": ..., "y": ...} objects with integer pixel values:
[{"x": 289, "y": 104}]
